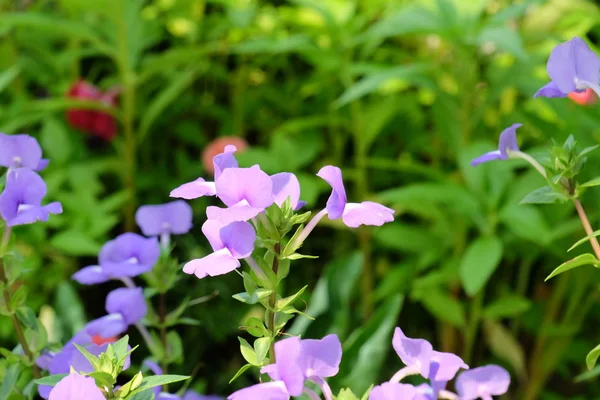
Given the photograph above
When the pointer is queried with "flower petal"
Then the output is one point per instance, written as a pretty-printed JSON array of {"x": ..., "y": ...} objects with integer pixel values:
[
  {"x": 549, "y": 90},
  {"x": 573, "y": 61},
  {"x": 446, "y": 365},
  {"x": 393, "y": 391},
  {"x": 129, "y": 302},
  {"x": 508, "y": 140},
  {"x": 262, "y": 391},
  {"x": 413, "y": 352},
  {"x": 173, "y": 218},
  {"x": 321, "y": 358},
  {"x": 490, "y": 380},
  {"x": 217, "y": 263},
  {"x": 91, "y": 275},
  {"x": 250, "y": 184},
  {"x": 489, "y": 156},
  {"x": 194, "y": 189},
  {"x": 239, "y": 212},
  {"x": 76, "y": 387},
  {"x": 287, "y": 352},
  {"x": 225, "y": 160},
  {"x": 286, "y": 185},
  {"x": 337, "y": 200},
  {"x": 366, "y": 213}
]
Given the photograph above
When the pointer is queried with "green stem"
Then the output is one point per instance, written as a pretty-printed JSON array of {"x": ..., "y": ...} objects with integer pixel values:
[
  {"x": 588, "y": 228},
  {"x": 127, "y": 78},
  {"x": 162, "y": 313},
  {"x": 473, "y": 327},
  {"x": 13, "y": 316},
  {"x": 272, "y": 304}
]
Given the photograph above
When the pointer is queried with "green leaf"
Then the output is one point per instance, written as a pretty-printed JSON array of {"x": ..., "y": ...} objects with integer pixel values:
[
  {"x": 346, "y": 394},
  {"x": 158, "y": 380},
  {"x": 18, "y": 298},
  {"x": 286, "y": 301},
  {"x": 442, "y": 306},
  {"x": 504, "y": 38},
  {"x": 56, "y": 141},
  {"x": 479, "y": 263},
  {"x": 174, "y": 347},
  {"x": 588, "y": 375},
  {"x": 504, "y": 345},
  {"x": 103, "y": 379},
  {"x": 9, "y": 382},
  {"x": 582, "y": 259},
  {"x": 407, "y": 20},
  {"x": 76, "y": 243},
  {"x": 240, "y": 372},
  {"x": 592, "y": 357},
  {"x": 298, "y": 256},
  {"x": 72, "y": 313},
  {"x": 506, "y": 307},
  {"x": 95, "y": 361},
  {"x": 248, "y": 352},
  {"x": 527, "y": 222},
  {"x": 544, "y": 195},
  {"x": 585, "y": 239},
  {"x": 255, "y": 298},
  {"x": 261, "y": 348},
  {"x": 27, "y": 317},
  {"x": 591, "y": 183},
  {"x": 255, "y": 327},
  {"x": 51, "y": 380},
  {"x": 8, "y": 76}
]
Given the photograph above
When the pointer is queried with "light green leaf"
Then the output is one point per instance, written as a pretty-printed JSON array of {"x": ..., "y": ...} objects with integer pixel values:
[
  {"x": 544, "y": 195},
  {"x": 592, "y": 357},
  {"x": 527, "y": 222},
  {"x": 8, "y": 75},
  {"x": 261, "y": 348},
  {"x": 286, "y": 301},
  {"x": 585, "y": 239},
  {"x": 582, "y": 259},
  {"x": 503, "y": 38},
  {"x": 248, "y": 352},
  {"x": 240, "y": 372},
  {"x": 591, "y": 183},
  {"x": 76, "y": 243},
  {"x": 507, "y": 307},
  {"x": 258, "y": 295},
  {"x": 56, "y": 141},
  {"x": 51, "y": 380},
  {"x": 11, "y": 376},
  {"x": 158, "y": 380},
  {"x": 442, "y": 306},
  {"x": 479, "y": 263},
  {"x": 346, "y": 394}
]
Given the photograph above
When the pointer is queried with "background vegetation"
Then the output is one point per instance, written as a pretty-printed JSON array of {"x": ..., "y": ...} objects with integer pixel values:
[{"x": 399, "y": 93}]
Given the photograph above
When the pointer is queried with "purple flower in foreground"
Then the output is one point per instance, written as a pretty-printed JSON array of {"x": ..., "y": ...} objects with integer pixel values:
[
  {"x": 297, "y": 361},
  {"x": 572, "y": 66},
  {"x": 245, "y": 191},
  {"x": 128, "y": 255},
  {"x": 230, "y": 243},
  {"x": 419, "y": 357},
  {"x": 395, "y": 391},
  {"x": 507, "y": 143},
  {"x": 353, "y": 214},
  {"x": 174, "y": 218},
  {"x": 76, "y": 387},
  {"x": 21, "y": 151},
  {"x": 200, "y": 187},
  {"x": 483, "y": 382},
  {"x": 129, "y": 302},
  {"x": 286, "y": 185},
  {"x": 21, "y": 200}
]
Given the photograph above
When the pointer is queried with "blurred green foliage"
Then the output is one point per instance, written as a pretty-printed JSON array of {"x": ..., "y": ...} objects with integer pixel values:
[{"x": 401, "y": 94}]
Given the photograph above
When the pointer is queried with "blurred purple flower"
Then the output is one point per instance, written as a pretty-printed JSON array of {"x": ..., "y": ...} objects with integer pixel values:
[
  {"x": 230, "y": 243},
  {"x": 572, "y": 66},
  {"x": 286, "y": 185},
  {"x": 200, "y": 187},
  {"x": 128, "y": 255},
  {"x": 167, "y": 396},
  {"x": 245, "y": 191},
  {"x": 395, "y": 391},
  {"x": 191, "y": 395},
  {"x": 21, "y": 151},
  {"x": 419, "y": 357},
  {"x": 76, "y": 387},
  {"x": 507, "y": 143},
  {"x": 21, "y": 200},
  {"x": 129, "y": 302},
  {"x": 173, "y": 218},
  {"x": 482, "y": 382},
  {"x": 353, "y": 214},
  {"x": 156, "y": 370},
  {"x": 263, "y": 391}
]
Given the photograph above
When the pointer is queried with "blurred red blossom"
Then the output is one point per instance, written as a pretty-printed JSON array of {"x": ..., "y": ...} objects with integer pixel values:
[
  {"x": 217, "y": 146},
  {"x": 93, "y": 122},
  {"x": 584, "y": 98}
]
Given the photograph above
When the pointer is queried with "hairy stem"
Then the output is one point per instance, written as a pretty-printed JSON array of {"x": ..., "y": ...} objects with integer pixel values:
[
  {"x": 272, "y": 305},
  {"x": 13, "y": 316}
]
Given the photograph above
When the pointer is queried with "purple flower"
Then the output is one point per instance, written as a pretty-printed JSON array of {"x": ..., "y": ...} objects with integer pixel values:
[
  {"x": 129, "y": 302},
  {"x": 395, "y": 391},
  {"x": 76, "y": 387},
  {"x": 171, "y": 218},
  {"x": 353, "y": 214},
  {"x": 200, "y": 187},
  {"x": 21, "y": 151},
  {"x": 263, "y": 391},
  {"x": 507, "y": 143},
  {"x": 286, "y": 185},
  {"x": 191, "y": 395},
  {"x": 230, "y": 243},
  {"x": 482, "y": 382},
  {"x": 167, "y": 396},
  {"x": 128, "y": 255},
  {"x": 418, "y": 355},
  {"x": 572, "y": 66},
  {"x": 245, "y": 191},
  {"x": 21, "y": 200}
]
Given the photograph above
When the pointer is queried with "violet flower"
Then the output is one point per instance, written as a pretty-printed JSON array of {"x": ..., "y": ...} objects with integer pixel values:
[
  {"x": 76, "y": 387},
  {"x": 353, "y": 214},
  {"x": 420, "y": 358},
  {"x": 297, "y": 361},
  {"x": 128, "y": 255},
  {"x": 200, "y": 187},
  {"x": 230, "y": 243},
  {"x": 508, "y": 148},
  {"x": 482, "y": 382},
  {"x": 245, "y": 191},
  {"x": 174, "y": 218},
  {"x": 21, "y": 200},
  {"x": 286, "y": 185},
  {"x": 129, "y": 302},
  {"x": 21, "y": 151},
  {"x": 572, "y": 67},
  {"x": 396, "y": 391}
]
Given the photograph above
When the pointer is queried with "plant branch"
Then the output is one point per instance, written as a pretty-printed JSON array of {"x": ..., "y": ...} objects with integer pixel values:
[
  {"x": 272, "y": 305},
  {"x": 588, "y": 228}
]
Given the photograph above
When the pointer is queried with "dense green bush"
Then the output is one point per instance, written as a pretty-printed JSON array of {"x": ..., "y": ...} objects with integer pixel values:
[{"x": 402, "y": 94}]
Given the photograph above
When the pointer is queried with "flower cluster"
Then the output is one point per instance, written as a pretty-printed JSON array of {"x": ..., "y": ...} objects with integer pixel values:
[{"x": 21, "y": 200}]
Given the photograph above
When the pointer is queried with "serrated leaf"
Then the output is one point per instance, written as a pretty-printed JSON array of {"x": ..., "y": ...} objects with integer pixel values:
[
  {"x": 592, "y": 357},
  {"x": 580, "y": 260}
]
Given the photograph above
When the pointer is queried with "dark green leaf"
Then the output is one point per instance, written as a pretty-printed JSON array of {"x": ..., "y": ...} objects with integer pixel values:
[{"x": 479, "y": 263}]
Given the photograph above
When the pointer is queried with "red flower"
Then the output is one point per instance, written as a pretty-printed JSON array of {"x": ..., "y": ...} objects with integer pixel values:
[
  {"x": 93, "y": 122},
  {"x": 584, "y": 98},
  {"x": 217, "y": 146}
]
